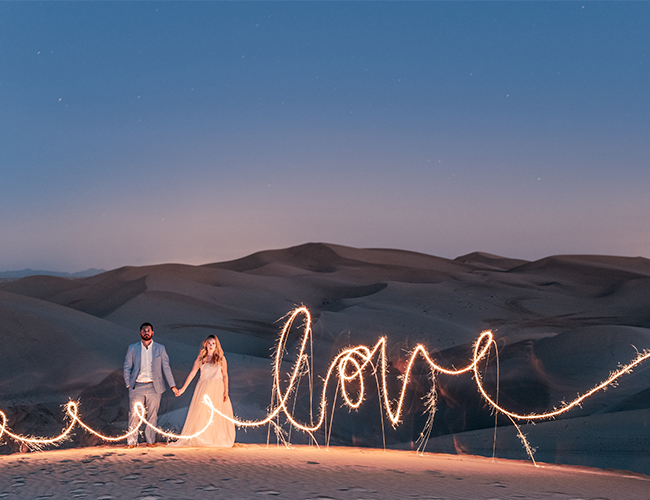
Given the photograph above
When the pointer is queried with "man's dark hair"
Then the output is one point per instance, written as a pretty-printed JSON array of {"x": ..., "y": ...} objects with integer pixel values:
[{"x": 146, "y": 324}]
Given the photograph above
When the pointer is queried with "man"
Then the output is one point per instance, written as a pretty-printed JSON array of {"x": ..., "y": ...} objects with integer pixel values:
[{"x": 144, "y": 365}]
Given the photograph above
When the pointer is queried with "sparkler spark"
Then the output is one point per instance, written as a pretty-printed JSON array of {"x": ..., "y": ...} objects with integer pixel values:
[{"x": 349, "y": 367}]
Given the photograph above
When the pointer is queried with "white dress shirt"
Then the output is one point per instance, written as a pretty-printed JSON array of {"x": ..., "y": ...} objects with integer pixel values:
[{"x": 146, "y": 365}]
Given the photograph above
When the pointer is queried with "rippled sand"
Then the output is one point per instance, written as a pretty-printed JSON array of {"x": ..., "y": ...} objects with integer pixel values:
[{"x": 254, "y": 471}]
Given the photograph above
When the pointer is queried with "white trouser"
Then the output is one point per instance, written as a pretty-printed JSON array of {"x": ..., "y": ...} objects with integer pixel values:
[{"x": 147, "y": 395}]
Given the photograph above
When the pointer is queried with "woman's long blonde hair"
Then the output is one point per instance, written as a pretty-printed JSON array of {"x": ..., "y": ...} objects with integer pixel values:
[{"x": 218, "y": 351}]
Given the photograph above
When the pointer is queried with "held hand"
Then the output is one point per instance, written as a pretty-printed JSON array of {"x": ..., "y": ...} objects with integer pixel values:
[{"x": 176, "y": 391}]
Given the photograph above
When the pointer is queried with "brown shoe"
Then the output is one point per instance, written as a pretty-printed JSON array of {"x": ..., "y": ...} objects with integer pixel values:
[
  {"x": 131, "y": 446},
  {"x": 151, "y": 445}
]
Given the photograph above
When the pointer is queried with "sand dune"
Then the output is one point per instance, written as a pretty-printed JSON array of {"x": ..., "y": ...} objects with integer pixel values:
[
  {"x": 489, "y": 261},
  {"x": 562, "y": 324},
  {"x": 50, "y": 349}
]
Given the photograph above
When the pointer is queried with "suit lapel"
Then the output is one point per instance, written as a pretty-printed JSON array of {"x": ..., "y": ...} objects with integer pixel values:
[
  {"x": 135, "y": 371},
  {"x": 138, "y": 358},
  {"x": 154, "y": 353}
]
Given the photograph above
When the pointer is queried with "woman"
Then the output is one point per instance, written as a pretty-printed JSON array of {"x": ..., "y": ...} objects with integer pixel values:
[{"x": 213, "y": 382}]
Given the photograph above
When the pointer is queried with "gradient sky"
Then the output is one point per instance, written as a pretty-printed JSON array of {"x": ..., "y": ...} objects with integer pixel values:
[{"x": 149, "y": 132}]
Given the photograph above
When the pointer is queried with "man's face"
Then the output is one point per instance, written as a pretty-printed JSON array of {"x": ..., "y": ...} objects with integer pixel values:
[{"x": 146, "y": 333}]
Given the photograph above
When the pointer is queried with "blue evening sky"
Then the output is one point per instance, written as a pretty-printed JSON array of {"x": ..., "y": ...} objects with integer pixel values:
[{"x": 136, "y": 133}]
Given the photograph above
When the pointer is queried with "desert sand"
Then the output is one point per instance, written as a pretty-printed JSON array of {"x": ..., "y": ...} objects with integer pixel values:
[
  {"x": 299, "y": 473},
  {"x": 562, "y": 324}
]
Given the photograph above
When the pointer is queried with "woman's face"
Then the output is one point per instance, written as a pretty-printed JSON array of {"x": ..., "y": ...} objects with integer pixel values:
[{"x": 211, "y": 345}]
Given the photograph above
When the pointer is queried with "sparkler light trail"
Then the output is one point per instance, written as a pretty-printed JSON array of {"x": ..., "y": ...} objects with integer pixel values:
[
  {"x": 72, "y": 413},
  {"x": 349, "y": 368}
]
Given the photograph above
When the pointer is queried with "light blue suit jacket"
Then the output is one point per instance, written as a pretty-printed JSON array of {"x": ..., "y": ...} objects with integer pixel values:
[{"x": 160, "y": 365}]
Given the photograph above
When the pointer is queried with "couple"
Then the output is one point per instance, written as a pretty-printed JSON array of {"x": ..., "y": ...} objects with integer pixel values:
[{"x": 146, "y": 362}]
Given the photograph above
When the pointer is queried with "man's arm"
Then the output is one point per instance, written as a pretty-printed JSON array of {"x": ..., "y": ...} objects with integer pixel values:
[
  {"x": 128, "y": 366},
  {"x": 168, "y": 372}
]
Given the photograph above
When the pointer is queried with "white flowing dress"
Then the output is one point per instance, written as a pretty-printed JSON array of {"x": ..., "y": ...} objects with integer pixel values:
[{"x": 221, "y": 433}]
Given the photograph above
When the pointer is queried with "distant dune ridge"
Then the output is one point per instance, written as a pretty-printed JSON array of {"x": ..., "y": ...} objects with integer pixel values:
[
  {"x": 23, "y": 273},
  {"x": 562, "y": 323}
]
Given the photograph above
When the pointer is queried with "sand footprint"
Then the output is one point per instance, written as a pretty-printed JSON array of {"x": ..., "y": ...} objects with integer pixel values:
[
  {"x": 210, "y": 487},
  {"x": 18, "y": 481},
  {"x": 173, "y": 481}
]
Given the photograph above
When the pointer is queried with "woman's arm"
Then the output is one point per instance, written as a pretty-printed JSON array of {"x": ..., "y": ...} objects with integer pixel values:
[
  {"x": 195, "y": 368},
  {"x": 224, "y": 372}
]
